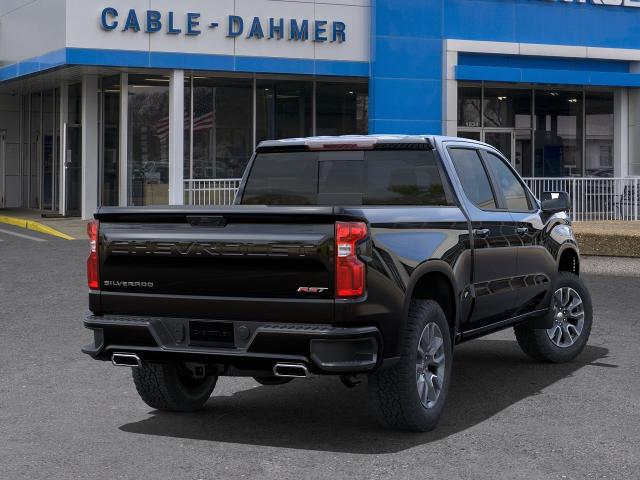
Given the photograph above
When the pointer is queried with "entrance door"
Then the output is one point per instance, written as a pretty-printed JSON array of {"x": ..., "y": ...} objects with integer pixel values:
[
  {"x": 3, "y": 153},
  {"x": 73, "y": 171},
  {"x": 502, "y": 140}
]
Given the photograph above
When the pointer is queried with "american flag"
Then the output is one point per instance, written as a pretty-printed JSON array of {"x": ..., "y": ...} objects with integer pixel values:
[{"x": 203, "y": 122}]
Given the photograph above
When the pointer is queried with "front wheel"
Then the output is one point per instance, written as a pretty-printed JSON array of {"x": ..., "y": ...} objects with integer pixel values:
[
  {"x": 411, "y": 394},
  {"x": 172, "y": 387},
  {"x": 572, "y": 319}
]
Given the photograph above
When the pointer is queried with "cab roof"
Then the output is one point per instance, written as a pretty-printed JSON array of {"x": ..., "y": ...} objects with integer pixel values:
[{"x": 356, "y": 141}]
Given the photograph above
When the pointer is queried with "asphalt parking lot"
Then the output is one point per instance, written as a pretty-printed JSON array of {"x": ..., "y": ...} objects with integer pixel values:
[{"x": 64, "y": 416}]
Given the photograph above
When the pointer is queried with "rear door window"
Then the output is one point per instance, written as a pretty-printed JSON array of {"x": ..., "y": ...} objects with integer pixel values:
[
  {"x": 474, "y": 178},
  {"x": 376, "y": 177}
]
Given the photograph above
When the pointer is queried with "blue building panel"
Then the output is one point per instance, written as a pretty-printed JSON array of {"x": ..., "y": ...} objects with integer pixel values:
[
  {"x": 407, "y": 42},
  {"x": 406, "y": 53}
]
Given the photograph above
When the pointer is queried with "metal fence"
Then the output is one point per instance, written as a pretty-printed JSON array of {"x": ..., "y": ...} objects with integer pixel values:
[
  {"x": 592, "y": 199},
  {"x": 595, "y": 199},
  {"x": 217, "y": 191}
]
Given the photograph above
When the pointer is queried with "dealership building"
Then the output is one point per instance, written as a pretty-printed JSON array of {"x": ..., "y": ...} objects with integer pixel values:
[{"x": 151, "y": 102}]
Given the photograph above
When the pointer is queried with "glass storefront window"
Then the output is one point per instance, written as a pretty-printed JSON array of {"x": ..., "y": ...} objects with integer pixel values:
[
  {"x": 507, "y": 108},
  {"x": 599, "y": 134},
  {"x": 341, "y": 108},
  {"x": 222, "y": 128},
  {"x": 34, "y": 140},
  {"x": 469, "y": 106},
  {"x": 544, "y": 131},
  {"x": 48, "y": 146},
  {"x": 110, "y": 89},
  {"x": 283, "y": 109},
  {"x": 73, "y": 154},
  {"x": 558, "y": 136},
  {"x": 148, "y": 140}
]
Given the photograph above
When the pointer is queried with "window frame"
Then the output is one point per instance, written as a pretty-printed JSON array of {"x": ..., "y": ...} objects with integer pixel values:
[{"x": 533, "y": 205}]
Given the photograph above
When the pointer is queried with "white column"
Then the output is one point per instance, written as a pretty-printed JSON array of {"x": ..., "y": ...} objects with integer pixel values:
[
  {"x": 89, "y": 145},
  {"x": 449, "y": 92},
  {"x": 176, "y": 138},
  {"x": 123, "y": 141},
  {"x": 621, "y": 133},
  {"x": 633, "y": 164},
  {"x": 64, "y": 118}
]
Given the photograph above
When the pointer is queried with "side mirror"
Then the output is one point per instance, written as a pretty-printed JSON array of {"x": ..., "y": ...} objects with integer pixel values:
[{"x": 554, "y": 202}]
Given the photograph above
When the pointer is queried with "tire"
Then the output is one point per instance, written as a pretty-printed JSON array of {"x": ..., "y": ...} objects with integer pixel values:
[
  {"x": 171, "y": 387},
  {"x": 572, "y": 324},
  {"x": 272, "y": 380},
  {"x": 395, "y": 391}
]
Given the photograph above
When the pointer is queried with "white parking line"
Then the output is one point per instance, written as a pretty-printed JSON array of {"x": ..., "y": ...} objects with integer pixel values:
[{"x": 21, "y": 235}]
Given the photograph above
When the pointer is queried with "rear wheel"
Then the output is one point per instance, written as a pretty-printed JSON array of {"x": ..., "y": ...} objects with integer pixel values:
[
  {"x": 411, "y": 395},
  {"x": 172, "y": 387},
  {"x": 572, "y": 318}
]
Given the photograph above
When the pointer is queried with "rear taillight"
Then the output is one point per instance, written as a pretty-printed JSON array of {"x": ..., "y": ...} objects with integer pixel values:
[
  {"x": 92, "y": 261},
  {"x": 350, "y": 271}
]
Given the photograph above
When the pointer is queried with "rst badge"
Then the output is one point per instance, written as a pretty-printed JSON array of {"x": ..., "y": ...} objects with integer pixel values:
[{"x": 312, "y": 289}]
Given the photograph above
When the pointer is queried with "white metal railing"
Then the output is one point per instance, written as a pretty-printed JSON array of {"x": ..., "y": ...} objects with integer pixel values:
[
  {"x": 216, "y": 191},
  {"x": 594, "y": 198}
]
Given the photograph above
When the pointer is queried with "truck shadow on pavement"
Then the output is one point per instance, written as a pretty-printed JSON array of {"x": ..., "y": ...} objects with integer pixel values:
[{"x": 320, "y": 414}]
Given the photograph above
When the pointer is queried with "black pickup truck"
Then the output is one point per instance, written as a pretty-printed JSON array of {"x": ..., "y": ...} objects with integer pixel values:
[{"x": 347, "y": 256}]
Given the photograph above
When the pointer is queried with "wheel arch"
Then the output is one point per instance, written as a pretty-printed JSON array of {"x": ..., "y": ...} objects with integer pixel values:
[
  {"x": 435, "y": 280},
  {"x": 569, "y": 260}
]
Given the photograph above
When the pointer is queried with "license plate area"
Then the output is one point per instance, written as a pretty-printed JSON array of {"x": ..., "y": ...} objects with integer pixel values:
[{"x": 211, "y": 334}]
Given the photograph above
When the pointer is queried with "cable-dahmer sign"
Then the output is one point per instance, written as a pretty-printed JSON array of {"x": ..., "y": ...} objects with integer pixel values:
[{"x": 191, "y": 23}]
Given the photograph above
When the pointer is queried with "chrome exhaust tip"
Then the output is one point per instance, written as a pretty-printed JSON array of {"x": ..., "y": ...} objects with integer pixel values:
[
  {"x": 126, "y": 360},
  {"x": 290, "y": 370}
]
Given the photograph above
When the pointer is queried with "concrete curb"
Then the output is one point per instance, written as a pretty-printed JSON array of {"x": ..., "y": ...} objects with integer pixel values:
[{"x": 35, "y": 226}]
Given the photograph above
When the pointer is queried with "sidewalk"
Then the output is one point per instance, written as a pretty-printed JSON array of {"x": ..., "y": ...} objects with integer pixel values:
[
  {"x": 69, "y": 228},
  {"x": 612, "y": 239}
]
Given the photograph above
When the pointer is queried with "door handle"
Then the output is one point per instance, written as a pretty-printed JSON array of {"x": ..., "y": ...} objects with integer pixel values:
[
  {"x": 482, "y": 233},
  {"x": 522, "y": 231}
]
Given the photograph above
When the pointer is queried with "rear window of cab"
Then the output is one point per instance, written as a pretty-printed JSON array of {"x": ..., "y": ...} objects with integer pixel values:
[{"x": 370, "y": 177}]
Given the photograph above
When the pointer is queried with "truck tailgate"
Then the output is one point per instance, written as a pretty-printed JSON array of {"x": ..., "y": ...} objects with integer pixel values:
[{"x": 227, "y": 255}]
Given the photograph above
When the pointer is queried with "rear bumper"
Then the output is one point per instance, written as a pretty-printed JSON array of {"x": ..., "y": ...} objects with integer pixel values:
[{"x": 243, "y": 346}]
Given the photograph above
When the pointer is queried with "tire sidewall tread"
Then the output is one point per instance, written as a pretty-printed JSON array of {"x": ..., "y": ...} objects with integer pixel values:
[
  {"x": 536, "y": 342},
  {"x": 394, "y": 390}
]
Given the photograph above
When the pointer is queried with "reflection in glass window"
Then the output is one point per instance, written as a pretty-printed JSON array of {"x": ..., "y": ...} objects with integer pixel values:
[
  {"x": 599, "y": 134},
  {"x": 222, "y": 128},
  {"x": 110, "y": 89},
  {"x": 558, "y": 136},
  {"x": 148, "y": 145},
  {"x": 283, "y": 109},
  {"x": 346, "y": 178},
  {"x": 507, "y": 108},
  {"x": 513, "y": 191},
  {"x": 283, "y": 179},
  {"x": 473, "y": 177},
  {"x": 341, "y": 108},
  {"x": 469, "y": 106},
  {"x": 403, "y": 178}
]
